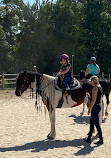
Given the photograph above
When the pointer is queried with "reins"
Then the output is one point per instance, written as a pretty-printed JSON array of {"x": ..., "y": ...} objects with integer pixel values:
[
  {"x": 47, "y": 85},
  {"x": 39, "y": 90}
]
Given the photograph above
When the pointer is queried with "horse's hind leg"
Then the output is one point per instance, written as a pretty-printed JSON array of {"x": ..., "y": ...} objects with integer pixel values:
[
  {"x": 83, "y": 109},
  {"x": 85, "y": 102},
  {"x": 102, "y": 107},
  {"x": 107, "y": 102}
]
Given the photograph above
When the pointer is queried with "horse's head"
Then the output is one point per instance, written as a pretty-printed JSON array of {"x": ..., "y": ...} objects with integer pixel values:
[
  {"x": 82, "y": 74},
  {"x": 23, "y": 81}
]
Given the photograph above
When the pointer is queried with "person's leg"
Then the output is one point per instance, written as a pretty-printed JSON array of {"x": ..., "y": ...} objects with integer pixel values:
[
  {"x": 96, "y": 123},
  {"x": 65, "y": 81},
  {"x": 91, "y": 129}
]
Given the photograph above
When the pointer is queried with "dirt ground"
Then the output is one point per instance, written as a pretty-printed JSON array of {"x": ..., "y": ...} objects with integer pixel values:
[{"x": 23, "y": 131}]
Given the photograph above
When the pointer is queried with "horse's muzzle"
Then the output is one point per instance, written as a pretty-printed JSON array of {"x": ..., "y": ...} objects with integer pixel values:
[{"x": 17, "y": 93}]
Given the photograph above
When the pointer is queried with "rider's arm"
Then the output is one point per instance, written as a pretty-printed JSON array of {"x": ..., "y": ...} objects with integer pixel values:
[
  {"x": 59, "y": 73},
  {"x": 87, "y": 70},
  {"x": 94, "y": 96},
  {"x": 64, "y": 72},
  {"x": 98, "y": 70}
]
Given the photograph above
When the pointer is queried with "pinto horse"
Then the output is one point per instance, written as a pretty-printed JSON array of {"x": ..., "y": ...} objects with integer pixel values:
[
  {"x": 51, "y": 95},
  {"x": 106, "y": 87}
]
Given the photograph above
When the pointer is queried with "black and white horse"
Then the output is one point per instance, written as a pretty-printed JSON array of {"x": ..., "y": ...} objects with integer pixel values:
[
  {"x": 52, "y": 96},
  {"x": 106, "y": 87}
]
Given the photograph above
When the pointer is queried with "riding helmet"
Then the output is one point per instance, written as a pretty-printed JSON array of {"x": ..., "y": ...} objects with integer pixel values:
[{"x": 93, "y": 59}]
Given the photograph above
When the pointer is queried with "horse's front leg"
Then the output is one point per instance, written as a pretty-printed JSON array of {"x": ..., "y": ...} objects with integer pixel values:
[{"x": 52, "y": 134}]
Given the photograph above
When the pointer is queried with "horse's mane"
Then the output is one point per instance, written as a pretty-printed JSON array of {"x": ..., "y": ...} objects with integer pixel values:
[
  {"x": 48, "y": 89},
  {"x": 49, "y": 77}
]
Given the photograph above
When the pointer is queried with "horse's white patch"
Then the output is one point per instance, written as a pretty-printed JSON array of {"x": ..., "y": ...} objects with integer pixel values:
[{"x": 48, "y": 90}]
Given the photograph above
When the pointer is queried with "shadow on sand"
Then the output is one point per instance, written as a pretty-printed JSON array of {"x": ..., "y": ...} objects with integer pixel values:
[
  {"x": 44, "y": 145},
  {"x": 84, "y": 119},
  {"x": 81, "y": 119}
]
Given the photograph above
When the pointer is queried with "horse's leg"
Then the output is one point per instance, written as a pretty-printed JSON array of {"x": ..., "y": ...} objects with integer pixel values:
[
  {"x": 101, "y": 112},
  {"x": 107, "y": 102},
  {"x": 83, "y": 109},
  {"x": 100, "y": 117},
  {"x": 52, "y": 134},
  {"x": 86, "y": 102},
  {"x": 102, "y": 107}
]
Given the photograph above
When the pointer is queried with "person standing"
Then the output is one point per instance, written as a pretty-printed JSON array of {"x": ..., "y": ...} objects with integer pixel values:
[{"x": 94, "y": 109}]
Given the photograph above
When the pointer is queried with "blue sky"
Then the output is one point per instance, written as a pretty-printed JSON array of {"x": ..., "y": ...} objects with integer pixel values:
[
  {"x": 30, "y": 1},
  {"x": 26, "y": 1}
]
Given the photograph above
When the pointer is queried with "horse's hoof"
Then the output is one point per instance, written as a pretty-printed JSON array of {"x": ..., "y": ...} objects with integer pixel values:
[
  {"x": 106, "y": 113},
  {"x": 81, "y": 113},
  {"x": 50, "y": 137}
]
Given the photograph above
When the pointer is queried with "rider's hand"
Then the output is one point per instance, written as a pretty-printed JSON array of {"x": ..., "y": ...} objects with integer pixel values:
[{"x": 58, "y": 74}]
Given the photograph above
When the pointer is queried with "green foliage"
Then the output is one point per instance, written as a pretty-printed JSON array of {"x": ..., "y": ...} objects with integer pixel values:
[
  {"x": 4, "y": 58},
  {"x": 97, "y": 22},
  {"x": 39, "y": 34}
]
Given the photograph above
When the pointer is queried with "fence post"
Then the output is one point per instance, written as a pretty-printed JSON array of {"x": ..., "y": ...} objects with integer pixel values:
[
  {"x": 109, "y": 76},
  {"x": 3, "y": 80},
  {"x": 102, "y": 74}
]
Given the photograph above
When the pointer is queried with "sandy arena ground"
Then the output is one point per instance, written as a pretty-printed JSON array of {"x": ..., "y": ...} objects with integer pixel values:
[{"x": 23, "y": 132}]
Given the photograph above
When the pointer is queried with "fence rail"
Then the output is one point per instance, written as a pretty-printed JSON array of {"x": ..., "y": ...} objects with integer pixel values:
[{"x": 9, "y": 80}]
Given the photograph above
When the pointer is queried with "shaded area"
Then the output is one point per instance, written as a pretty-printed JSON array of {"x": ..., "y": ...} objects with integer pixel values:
[
  {"x": 84, "y": 119},
  {"x": 81, "y": 119},
  {"x": 44, "y": 145}
]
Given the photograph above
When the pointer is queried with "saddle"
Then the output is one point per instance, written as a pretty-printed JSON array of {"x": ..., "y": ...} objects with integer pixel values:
[{"x": 73, "y": 84}]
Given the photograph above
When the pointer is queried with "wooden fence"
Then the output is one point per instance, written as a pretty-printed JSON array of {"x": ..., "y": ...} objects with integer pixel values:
[{"x": 9, "y": 80}]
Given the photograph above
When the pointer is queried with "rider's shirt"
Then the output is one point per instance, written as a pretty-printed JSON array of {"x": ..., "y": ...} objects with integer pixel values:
[
  {"x": 64, "y": 67},
  {"x": 93, "y": 69}
]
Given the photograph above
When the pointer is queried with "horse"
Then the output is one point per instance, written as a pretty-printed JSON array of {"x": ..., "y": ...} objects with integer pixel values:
[
  {"x": 47, "y": 87},
  {"x": 106, "y": 88}
]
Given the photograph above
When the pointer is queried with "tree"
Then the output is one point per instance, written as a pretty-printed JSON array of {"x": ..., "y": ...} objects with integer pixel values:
[
  {"x": 4, "y": 52},
  {"x": 97, "y": 23}
]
